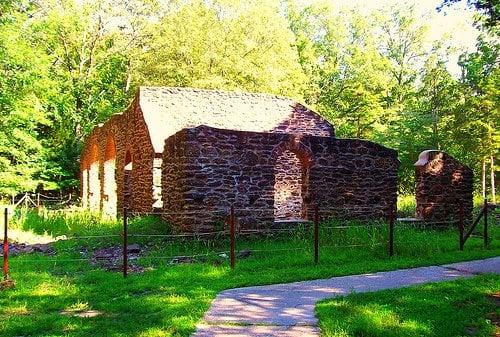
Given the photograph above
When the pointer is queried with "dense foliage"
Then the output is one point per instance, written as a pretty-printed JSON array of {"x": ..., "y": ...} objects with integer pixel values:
[{"x": 66, "y": 65}]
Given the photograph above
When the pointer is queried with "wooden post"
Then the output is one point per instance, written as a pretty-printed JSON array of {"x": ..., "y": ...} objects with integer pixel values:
[
  {"x": 232, "y": 238},
  {"x": 492, "y": 175},
  {"x": 391, "y": 232},
  {"x": 316, "y": 235},
  {"x": 483, "y": 180},
  {"x": 125, "y": 243},
  {"x": 5, "y": 245},
  {"x": 461, "y": 227},
  {"x": 485, "y": 229}
]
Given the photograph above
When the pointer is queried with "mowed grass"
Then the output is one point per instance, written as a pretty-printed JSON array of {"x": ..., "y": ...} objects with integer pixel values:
[
  {"x": 169, "y": 299},
  {"x": 465, "y": 307}
]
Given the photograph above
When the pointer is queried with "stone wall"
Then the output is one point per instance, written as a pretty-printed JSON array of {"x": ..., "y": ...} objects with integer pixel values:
[
  {"x": 443, "y": 185},
  {"x": 156, "y": 114},
  {"x": 103, "y": 161},
  {"x": 290, "y": 186},
  {"x": 206, "y": 170}
]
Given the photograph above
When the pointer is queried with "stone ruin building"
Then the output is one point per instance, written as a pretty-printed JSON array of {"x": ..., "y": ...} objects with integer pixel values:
[
  {"x": 442, "y": 186},
  {"x": 191, "y": 154}
]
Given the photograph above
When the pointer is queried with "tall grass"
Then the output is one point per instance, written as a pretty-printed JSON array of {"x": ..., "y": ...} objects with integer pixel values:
[
  {"x": 79, "y": 222},
  {"x": 337, "y": 237},
  {"x": 406, "y": 206}
]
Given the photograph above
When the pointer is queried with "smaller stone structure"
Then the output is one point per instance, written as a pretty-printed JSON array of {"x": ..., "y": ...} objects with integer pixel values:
[{"x": 443, "y": 186}]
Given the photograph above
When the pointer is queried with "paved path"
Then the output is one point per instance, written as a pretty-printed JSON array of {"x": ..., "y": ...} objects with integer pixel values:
[{"x": 288, "y": 309}]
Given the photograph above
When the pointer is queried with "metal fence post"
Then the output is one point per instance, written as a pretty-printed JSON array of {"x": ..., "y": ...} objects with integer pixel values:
[
  {"x": 461, "y": 227},
  {"x": 232, "y": 238},
  {"x": 316, "y": 235},
  {"x": 485, "y": 230},
  {"x": 125, "y": 243},
  {"x": 391, "y": 231},
  {"x": 5, "y": 246}
]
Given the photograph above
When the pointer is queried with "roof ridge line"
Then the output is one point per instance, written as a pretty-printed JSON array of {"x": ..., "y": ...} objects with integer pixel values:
[{"x": 216, "y": 91}]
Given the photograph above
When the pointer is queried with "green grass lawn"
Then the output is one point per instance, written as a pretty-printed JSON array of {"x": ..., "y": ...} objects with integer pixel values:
[
  {"x": 168, "y": 300},
  {"x": 465, "y": 307}
]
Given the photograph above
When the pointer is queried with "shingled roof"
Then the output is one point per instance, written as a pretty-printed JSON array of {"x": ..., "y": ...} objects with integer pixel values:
[{"x": 169, "y": 110}]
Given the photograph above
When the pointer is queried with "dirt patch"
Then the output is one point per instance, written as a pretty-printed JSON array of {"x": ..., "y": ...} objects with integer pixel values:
[
  {"x": 82, "y": 314},
  {"x": 7, "y": 284},
  {"x": 495, "y": 298},
  {"x": 25, "y": 248},
  {"x": 111, "y": 258}
]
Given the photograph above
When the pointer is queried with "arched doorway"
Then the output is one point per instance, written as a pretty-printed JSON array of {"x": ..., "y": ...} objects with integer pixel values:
[
  {"x": 110, "y": 198},
  {"x": 291, "y": 174},
  {"x": 94, "y": 181}
]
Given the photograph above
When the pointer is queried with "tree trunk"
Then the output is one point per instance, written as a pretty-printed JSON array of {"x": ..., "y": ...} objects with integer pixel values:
[
  {"x": 483, "y": 179},
  {"x": 129, "y": 76},
  {"x": 79, "y": 108},
  {"x": 492, "y": 175}
]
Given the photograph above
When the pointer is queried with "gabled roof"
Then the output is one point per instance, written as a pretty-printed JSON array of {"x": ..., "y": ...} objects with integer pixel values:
[{"x": 169, "y": 110}]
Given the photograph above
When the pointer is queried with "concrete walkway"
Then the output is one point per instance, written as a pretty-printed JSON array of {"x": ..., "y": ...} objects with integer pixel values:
[{"x": 288, "y": 309}]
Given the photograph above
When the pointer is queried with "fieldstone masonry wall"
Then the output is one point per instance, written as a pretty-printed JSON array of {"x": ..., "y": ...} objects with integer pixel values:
[
  {"x": 158, "y": 113},
  {"x": 206, "y": 170},
  {"x": 103, "y": 164},
  {"x": 289, "y": 187},
  {"x": 281, "y": 160},
  {"x": 443, "y": 185}
]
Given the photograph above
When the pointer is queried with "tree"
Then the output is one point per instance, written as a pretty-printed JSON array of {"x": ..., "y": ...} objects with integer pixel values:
[
  {"x": 477, "y": 121},
  {"x": 226, "y": 45},
  {"x": 90, "y": 45},
  {"x": 24, "y": 86},
  {"x": 489, "y": 10},
  {"x": 348, "y": 81},
  {"x": 402, "y": 42},
  {"x": 439, "y": 96}
]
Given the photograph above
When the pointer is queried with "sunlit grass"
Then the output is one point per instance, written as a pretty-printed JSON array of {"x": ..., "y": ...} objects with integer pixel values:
[
  {"x": 169, "y": 299},
  {"x": 455, "y": 308},
  {"x": 406, "y": 206}
]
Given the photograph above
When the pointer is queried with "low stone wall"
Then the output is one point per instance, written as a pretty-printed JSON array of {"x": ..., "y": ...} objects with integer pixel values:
[
  {"x": 443, "y": 185},
  {"x": 206, "y": 170}
]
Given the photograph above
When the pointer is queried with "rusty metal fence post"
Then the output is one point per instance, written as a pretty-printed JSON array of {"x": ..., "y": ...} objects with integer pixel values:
[
  {"x": 485, "y": 229},
  {"x": 125, "y": 243},
  {"x": 316, "y": 235},
  {"x": 391, "y": 231},
  {"x": 5, "y": 246},
  {"x": 232, "y": 238},
  {"x": 461, "y": 227}
]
